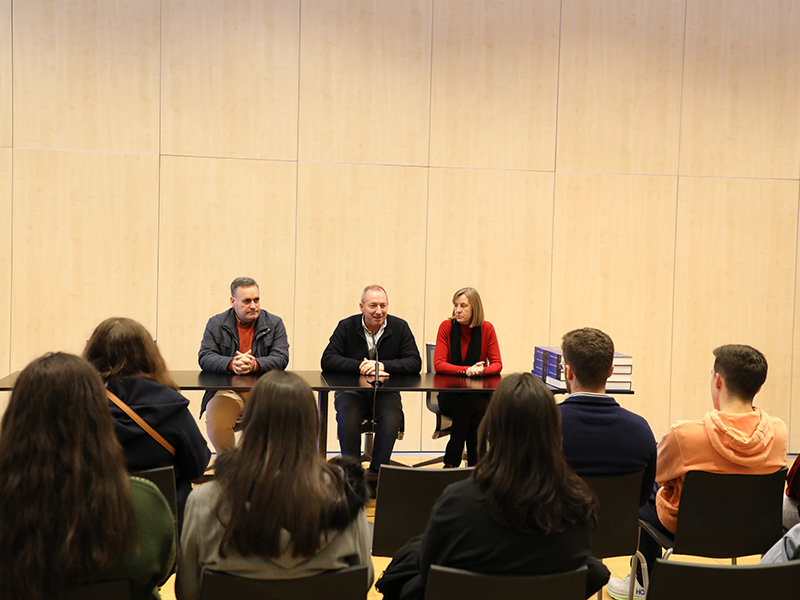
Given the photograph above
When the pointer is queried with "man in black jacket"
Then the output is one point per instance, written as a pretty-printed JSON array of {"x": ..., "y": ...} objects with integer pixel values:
[{"x": 359, "y": 344}]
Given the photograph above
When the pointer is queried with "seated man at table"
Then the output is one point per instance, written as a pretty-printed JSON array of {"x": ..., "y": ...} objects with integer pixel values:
[
  {"x": 359, "y": 344},
  {"x": 599, "y": 436},
  {"x": 735, "y": 437},
  {"x": 242, "y": 340}
]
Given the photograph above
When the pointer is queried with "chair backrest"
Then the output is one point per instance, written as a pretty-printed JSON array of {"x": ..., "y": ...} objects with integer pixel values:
[
  {"x": 346, "y": 584},
  {"x": 404, "y": 502},
  {"x": 443, "y": 422},
  {"x": 693, "y": 581},
  {"x": 725, "y": 515},
  {"x": 445, "y": 583},
  {"x": 164, "y": 480},
  {"x": 119, "y": 589},
  {"x": 617, "y": 530}
]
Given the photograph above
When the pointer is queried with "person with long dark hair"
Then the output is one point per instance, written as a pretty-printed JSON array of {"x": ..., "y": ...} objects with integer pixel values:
[
  {"x": 69, "y": 513},
  {"x": 135, "y": 373},
  {"x": 523, "y": 511},
  {"x": 276, "y": 509},
  {"x": 466, "y": 344}
]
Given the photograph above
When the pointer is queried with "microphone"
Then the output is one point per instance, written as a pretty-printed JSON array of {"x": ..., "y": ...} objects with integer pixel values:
[{"x": 376, "y": 382}]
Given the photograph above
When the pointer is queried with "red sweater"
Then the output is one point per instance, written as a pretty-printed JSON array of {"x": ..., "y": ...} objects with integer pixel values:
[{"x": 489, "y": 349}]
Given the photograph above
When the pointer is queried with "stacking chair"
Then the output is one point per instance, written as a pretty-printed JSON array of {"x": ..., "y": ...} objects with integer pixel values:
[
  {"x": 690, "y": 581},
  {"x": 443, "y": 423},
  {"x": 617, "y": 530},
  {"x": 403, "y": 506},
  {"x": 118, "y": 589},
  {"x": 164, "y": 480},
  {"x": 445, "y": 583},
  {"x": 726, "y": 515},
  {"x": 346, "y": 584}
]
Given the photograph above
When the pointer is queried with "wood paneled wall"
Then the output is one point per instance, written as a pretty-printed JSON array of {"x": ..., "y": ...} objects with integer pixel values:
[{"x": 632, "y": 165}]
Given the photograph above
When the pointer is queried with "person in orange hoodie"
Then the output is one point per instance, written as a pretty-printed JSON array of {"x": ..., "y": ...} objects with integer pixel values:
[{"x": 735, "y": 437}]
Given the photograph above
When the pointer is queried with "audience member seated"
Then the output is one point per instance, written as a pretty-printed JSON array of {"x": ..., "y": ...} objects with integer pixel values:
[
  {"x": 785, "y": 549},
  {"x": 522, "y": 512},
  {"x": 69, "y": 513},
  {"x": 735, "y": 437},
  {"x": 791, "y": 514},
  {"x": 601, "y": 437},
  {"x": 465, "y": 345},
  {"x": 276, "y": 510},
  {"x": 134, "y": 371}
]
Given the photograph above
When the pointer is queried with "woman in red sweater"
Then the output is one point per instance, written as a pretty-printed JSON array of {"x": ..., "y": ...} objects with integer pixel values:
[{"x": 465, "y": 345}]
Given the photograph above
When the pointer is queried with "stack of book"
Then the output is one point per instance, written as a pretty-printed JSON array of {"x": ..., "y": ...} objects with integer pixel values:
[{"x": 548, "y": 365}]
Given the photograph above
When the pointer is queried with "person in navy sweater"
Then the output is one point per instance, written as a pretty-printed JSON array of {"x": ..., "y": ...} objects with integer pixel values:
[{"x": 599, "y": 436}]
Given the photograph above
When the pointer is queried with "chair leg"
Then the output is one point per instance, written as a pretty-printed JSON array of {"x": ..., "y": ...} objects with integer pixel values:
[
  {"x": 638, "y": 559},
  {"x": 431, "y": 461},
  {"x": 369, "y": 444}
]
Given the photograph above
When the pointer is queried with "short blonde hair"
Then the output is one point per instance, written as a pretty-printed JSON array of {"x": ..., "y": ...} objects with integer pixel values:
[{"x": 475, "y": 303}]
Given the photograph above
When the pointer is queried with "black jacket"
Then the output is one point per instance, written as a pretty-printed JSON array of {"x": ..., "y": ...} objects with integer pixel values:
[
  {"x": 397, "y": 349},
  {"x": 166, "y": 411}
]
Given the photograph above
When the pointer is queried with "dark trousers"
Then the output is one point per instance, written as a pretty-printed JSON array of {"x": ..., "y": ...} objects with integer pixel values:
[
  {"x": 352, "y": 408},
  {"x": 467, "y": 412},
  {"x": 650, "y": 549}
]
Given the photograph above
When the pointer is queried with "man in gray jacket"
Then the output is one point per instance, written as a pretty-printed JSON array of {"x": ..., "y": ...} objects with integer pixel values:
[{"x": 244, "y": 339}]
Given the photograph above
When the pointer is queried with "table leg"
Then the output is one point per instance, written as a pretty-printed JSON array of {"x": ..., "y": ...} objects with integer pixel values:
[{"x": 322, "y": 395}]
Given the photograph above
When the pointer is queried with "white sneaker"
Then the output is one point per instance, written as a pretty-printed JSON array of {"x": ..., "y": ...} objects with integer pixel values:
[{"x": 618, "y": 588}]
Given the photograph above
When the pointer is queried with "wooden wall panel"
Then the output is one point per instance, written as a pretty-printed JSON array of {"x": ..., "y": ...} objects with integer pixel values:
[
  {"x": 86, "y": 75},
  {"x": 734, "y": 283},
  {"x": 358, "y": 225},
  {"x": 230, "y": 72},
  {"x": 494, "y": 83},
  {"x": 619, "y": 86},
  {"x": 740, "y": 114},
  {"x": 221, "y": 219},
  {"x": 490, "y": 230},
  {"x": 613, "y": 258},
  {"x": 365, "y": 81},
  {"x": 5, "y": 262},
  {"x": 85, "y": 247},
  {"x": 5, "y": 73}
]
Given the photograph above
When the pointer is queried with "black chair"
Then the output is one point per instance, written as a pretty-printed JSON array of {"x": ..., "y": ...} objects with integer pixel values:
[
  {"x": 445, "y": 583},
  {"x": 617, "y": 530},
  {"x": 346, "y": 584},
  {"x": 691, "y": 581},
  {"x": 443, "y": 422},
  {"x": 164, "y": 480},
  {"x": 118, "y": 589},
  {"x": 403, "y": 506},
  {"x": 726, "y": 515}
]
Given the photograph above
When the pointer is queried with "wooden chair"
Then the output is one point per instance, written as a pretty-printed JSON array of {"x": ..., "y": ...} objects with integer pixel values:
[
  {"x": 617, "y": 530},
  {"x": 691, "y": 581},
  {"x": 118, "y": 589},
  {"x": 726, "y": 515},
  {"x": 445, "y": 583},
  {"x": 403, "y": 506},
  {"x": 346, "y": 584},
  {"x": 164, "y": 480},
  {"x": 443, "y": 422}
]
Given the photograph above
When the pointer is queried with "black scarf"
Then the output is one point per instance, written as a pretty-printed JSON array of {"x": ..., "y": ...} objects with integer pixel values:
[{"x": 473, "y": 350}]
